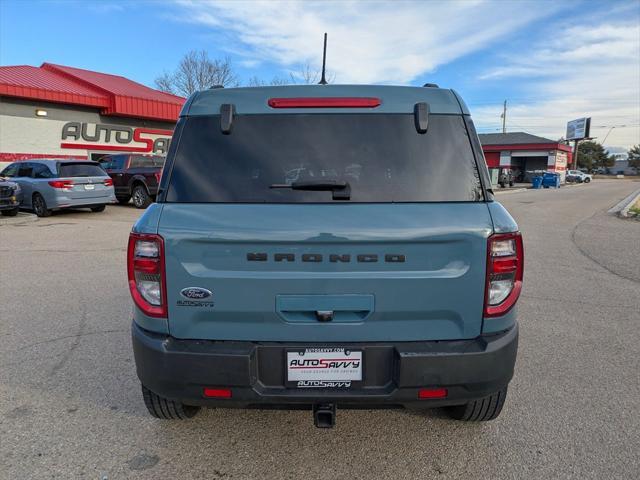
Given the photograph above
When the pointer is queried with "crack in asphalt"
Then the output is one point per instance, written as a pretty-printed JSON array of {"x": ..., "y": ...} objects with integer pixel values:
[
  {"x": 586, "y": 254},
  {"x": 82, "y": 324}
]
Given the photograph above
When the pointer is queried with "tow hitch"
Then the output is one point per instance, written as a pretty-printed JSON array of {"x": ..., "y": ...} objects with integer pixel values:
[{"x": 324, "y": 415}]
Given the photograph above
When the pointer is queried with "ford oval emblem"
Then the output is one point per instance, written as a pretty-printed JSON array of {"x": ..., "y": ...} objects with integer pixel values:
[{"x": 195, "y": 293}]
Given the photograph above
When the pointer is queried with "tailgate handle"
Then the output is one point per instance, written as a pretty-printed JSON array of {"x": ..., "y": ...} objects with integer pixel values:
[
  {"x": 324, "y": 315},
  {"x": 324, "y": 308}
]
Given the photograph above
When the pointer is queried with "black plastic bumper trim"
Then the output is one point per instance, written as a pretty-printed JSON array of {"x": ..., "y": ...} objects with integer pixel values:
[{"x": 255, "y": 371}]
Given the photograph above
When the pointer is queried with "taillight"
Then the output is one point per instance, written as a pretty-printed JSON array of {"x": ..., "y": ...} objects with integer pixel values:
[
  {"x": 145, "y": 267},
  {"x": 324, "y": 102},
  {"x": 158, "y": 176},
  {"x": 62, "y": 184},
  {"x": 505, "y": 267},
  {"x": 108, "y": 182}
]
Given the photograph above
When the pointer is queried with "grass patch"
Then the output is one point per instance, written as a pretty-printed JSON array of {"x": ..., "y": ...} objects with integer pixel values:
[{"x": 636, "y": 208}]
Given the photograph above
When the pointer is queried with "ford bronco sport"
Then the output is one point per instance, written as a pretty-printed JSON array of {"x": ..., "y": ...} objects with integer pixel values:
[{"x": 323, "y": 246}]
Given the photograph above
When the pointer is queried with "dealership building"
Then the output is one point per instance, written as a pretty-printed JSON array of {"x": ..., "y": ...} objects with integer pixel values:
[
  {"x": 53, "y": 111},
  {"x": 524, "y": 154}
]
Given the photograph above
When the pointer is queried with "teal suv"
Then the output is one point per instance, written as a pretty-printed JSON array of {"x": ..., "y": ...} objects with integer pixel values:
[{"x": 325, "y": 246}]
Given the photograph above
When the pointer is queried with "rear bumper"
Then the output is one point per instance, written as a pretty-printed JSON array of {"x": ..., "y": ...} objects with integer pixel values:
[
  {"x": 63, "y": 200},
  {"x": 255, "y": 372}
]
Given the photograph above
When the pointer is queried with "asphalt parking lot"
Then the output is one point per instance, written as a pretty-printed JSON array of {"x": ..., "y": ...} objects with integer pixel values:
[{"x": 70, "y": 403}]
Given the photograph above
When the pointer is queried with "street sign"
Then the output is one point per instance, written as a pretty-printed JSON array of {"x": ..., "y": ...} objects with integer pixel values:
[{"x": 578, "y": 129}]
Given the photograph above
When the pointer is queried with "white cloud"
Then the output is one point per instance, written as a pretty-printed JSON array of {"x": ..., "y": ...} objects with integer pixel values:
[
  {"x": 369, "y": 42},
  {"x": 586, "y": 70}
]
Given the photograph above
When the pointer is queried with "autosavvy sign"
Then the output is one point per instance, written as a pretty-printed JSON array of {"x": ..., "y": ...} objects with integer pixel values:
[{"x": 119, "y": 138}]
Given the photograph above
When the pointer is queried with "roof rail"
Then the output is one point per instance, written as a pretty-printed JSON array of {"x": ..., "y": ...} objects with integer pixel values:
[
  {"x": 213, "y": 87},
  {"x": 431, "y": 85}
]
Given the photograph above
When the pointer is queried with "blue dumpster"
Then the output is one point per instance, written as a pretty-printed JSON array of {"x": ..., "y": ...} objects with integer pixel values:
[
  {"x": 536, "y": 182},
  {"x": 551, "y": 179}
]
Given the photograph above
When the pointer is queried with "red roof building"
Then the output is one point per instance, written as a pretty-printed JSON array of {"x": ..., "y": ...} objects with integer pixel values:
[
  {"x": 60, "y": 111},
  {"x": 115, "y": 95},
  {"x": 524, "y": 155}
]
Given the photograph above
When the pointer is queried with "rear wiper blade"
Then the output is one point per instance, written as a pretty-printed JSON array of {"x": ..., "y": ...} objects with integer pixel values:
[{"x": 341, "y": 190}]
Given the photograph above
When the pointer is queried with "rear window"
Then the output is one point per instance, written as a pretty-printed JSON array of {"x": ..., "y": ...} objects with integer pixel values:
[
  {"x": 78, "y": 169},
  {"x": 142, "y": 161},
  {"x": 381, "y": 156}
]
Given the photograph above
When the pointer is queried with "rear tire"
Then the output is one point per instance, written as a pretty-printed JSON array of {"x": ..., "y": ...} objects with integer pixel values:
[
  {"x": 141, "y": 198},
  {"x": 587, "y": 180},
  {"x": 165, "y": 409},
  {"x": 123, "y": 200},
  {"x": 99, "y": 208},
  {"x": 10, "y": 213},
  {"x": 482, "y": 410},
  {"x": 40, "y": 206}
]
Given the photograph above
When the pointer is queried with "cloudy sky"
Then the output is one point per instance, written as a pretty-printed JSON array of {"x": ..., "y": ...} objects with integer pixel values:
[{"x": 552, "y": 61}]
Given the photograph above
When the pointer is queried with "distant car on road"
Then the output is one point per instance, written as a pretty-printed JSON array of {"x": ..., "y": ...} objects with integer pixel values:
[
  {"x": 49, "y": 185},
  {"x": 134, "y": 177},
  {"x": 578, "y": 176},
  {"x": 10, "y": 197}
]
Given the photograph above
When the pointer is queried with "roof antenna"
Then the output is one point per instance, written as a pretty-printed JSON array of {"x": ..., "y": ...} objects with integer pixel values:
[{"x": 323, "y": 80}]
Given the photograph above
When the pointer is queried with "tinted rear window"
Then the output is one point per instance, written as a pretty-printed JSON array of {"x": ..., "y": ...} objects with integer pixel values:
[
  {"x": 381, "y": 156},
  {"x": 142, "y": 161},
  {"x": 78, "y": 169}
]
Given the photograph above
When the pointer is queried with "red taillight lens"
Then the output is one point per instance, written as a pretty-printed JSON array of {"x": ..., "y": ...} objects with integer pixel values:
[
  {"x": 324, "y": 102},
  {"x": 158, "y": 176},
  {"x": 62, "y": 184},
  {"x": 217, "y": 392},
  {"x": 427, "y": 393},
  {"x": 145, "y": 268},
  {"x": 505, "y": 269},
  {"x": 108, "y": 182}
]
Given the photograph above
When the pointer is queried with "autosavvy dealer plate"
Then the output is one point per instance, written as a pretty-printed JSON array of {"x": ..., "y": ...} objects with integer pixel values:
[{"x": 324, "y": 367}]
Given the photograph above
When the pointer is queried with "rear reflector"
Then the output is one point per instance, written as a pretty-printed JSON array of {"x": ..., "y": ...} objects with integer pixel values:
[
  {"x": 217, "y": 392},
  {"x": 325, "y": 102},
  {"x": 427, "y": 393}
]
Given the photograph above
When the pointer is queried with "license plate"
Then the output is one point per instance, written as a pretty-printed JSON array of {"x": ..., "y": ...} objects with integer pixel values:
[
  {"x": 89, "y": 187},
  {"x": 324, "y": 365}
]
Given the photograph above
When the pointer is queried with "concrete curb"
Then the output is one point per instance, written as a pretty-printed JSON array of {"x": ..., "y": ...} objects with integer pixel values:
[
  {"x": 19, "y": 219},
  {"x": 622, "y": 208}
]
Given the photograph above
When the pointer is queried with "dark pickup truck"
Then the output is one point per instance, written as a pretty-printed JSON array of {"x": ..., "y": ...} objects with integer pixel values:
[{"x": 134, "y": 177}]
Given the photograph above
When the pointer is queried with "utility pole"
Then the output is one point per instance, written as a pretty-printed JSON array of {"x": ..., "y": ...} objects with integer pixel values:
[
  {"x": 575, "y": 154},
  {"x": 504, "y": 117}
]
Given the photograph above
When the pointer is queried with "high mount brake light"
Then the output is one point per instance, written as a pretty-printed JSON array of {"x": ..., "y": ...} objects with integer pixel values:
[
  {"x": 505, "y": 269},
  {"x": 146, "y": 273},
  {"x": 325, "y": 102},
  {"x": 62, "y": 184}
]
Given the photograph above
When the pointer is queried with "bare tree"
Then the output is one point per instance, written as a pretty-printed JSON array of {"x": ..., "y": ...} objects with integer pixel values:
[
  {"x": 197, "y": 71},
  {"x": 275, "y": 81}
]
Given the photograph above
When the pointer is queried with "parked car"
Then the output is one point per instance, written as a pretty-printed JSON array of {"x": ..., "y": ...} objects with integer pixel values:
[
  {"x": 325, "y": 245},
  {"x": 52, "y": 184},
  {"x": 134, "y": 177},
  {"x": 10, "y": 197},
  {"x": 578, "y": 176}
]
